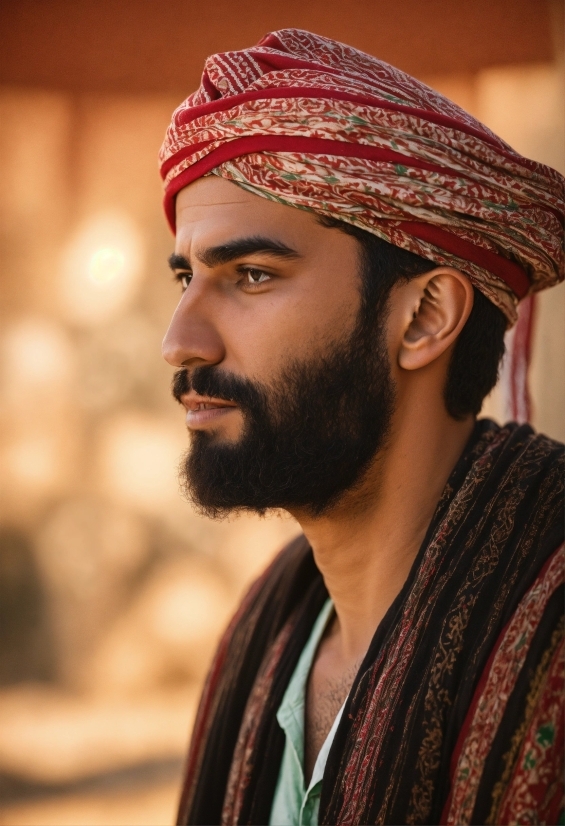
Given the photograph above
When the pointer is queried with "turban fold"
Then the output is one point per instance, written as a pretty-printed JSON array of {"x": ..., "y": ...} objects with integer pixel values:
[{"x": 315, "y": 124}]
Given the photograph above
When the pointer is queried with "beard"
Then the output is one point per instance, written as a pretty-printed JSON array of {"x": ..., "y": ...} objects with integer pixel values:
[{"x": 308, "y": 437}]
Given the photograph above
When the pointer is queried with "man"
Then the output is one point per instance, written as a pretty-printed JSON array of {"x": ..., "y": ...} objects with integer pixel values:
[{"x": 351, "y": 248}]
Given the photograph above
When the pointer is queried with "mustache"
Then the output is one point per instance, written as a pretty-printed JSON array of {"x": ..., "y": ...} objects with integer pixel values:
[{"x": 211, "y": 381}]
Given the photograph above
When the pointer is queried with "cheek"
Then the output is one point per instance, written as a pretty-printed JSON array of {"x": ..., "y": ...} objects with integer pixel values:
[{"x": 286, "y": 326}]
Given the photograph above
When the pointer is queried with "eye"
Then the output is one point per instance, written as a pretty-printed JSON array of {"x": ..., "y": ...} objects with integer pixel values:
[
  {"x": 184, "y": 279},
  {"x": 254, "y": 276}
]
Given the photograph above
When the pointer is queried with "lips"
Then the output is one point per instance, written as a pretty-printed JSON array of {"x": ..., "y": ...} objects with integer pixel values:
[
  {"x": 193, "y": 402},
  {"x": 203, "y": 411}
]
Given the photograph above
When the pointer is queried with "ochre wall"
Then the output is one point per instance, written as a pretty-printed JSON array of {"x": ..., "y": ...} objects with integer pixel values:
[{"x": 160, "y": 45}]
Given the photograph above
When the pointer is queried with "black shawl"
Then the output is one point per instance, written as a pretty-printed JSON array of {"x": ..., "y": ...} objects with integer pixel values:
[{"x": 418, "y": 712}]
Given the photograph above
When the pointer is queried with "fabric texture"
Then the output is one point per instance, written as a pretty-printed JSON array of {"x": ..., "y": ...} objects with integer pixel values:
[
  {"x": 293, "y": 803},
  {"x": 456, "y": 714},
  {"x": 318, "y": 125}
]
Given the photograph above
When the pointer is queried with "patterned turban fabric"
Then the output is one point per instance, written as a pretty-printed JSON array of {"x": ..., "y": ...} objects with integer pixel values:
[{"x": 315, "y": 124}]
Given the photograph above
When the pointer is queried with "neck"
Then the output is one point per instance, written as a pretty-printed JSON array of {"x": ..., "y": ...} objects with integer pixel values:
[{"x": 366, "y": 545}]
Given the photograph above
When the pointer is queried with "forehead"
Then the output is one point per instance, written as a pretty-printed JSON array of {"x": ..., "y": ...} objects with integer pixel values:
[{"x": 212, "y": 211}]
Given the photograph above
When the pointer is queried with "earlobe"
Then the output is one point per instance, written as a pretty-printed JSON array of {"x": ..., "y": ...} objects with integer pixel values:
[{"x": 439, "y": 303}]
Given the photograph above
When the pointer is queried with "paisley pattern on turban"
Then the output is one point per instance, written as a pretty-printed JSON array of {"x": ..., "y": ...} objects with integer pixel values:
[{"x": 315, "y": 124}]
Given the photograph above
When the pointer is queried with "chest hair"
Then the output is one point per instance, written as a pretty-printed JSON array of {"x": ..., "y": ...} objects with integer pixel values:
[{"x": 325, "y": 696}]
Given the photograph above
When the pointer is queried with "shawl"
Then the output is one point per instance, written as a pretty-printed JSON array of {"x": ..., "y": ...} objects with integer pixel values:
[
  {"x": 319, "y": 125},
  {"x": 456, "y": 713}
]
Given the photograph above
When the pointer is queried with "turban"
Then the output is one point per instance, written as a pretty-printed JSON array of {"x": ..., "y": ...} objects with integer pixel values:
[{"x": 315, "y": 124}]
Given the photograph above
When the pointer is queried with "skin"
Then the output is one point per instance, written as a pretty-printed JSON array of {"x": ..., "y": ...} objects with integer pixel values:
[{"x": 253, "y": 313}]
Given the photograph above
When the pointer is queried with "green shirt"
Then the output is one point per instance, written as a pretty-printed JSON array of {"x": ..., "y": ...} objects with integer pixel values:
[{"x": 293, "y": 804}]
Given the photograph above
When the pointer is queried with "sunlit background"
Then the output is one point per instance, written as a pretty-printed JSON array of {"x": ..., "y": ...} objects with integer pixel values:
[{"x": 112, "y": 591}]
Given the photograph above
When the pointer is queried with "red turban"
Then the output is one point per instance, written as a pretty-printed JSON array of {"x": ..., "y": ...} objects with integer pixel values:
[{"x": 316, "y": 124}]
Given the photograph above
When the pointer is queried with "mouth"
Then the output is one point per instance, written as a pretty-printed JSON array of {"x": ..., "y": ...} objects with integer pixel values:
[{"x": 202, "y": 411}]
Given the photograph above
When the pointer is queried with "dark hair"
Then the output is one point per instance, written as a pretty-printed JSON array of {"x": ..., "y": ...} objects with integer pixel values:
[{"x": 473, "y": 369}]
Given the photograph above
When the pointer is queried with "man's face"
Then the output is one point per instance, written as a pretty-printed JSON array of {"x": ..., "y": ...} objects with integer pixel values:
[{"x": 284, "y": 373}]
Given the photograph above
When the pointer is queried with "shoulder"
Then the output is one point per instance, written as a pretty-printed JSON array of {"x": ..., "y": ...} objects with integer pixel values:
[
  {"x": 516, "y": 456},
  {"x": 515, "y": 437},
  {"x": 536, "y": 463},
  {"x": 508, "y": 763},
  {"x": 254, "y": 626},
  {"x": 539, "y": 443}
]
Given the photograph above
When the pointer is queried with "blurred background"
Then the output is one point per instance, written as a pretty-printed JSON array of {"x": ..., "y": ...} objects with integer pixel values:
[{"x": 112, "y": 591}]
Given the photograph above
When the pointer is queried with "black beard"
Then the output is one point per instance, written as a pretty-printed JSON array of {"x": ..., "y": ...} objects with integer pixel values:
[{"x": 306, "y": 440}]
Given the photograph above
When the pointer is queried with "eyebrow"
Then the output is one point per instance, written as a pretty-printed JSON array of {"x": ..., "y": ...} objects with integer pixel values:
[{"x": 224, "y": 253}]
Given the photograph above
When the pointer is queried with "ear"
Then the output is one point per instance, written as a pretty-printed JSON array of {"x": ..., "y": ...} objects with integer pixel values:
[{"x": 435, "y": 307}]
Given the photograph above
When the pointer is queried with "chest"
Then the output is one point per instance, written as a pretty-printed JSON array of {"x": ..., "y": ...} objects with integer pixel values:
[{"x": 328, "y": 685}]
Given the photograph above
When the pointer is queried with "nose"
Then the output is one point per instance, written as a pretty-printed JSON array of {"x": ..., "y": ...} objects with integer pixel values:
[{"x": 192, "y": 339}]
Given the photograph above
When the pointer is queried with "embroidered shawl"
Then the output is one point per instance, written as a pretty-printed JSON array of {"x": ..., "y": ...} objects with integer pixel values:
[
  {"x": 319, "y": 125},
  {"x": 456, "y": 713}
]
